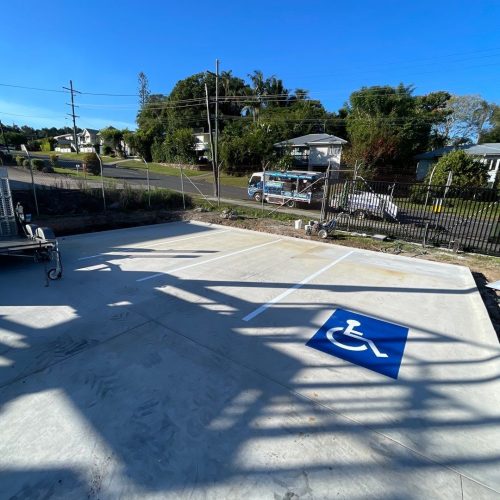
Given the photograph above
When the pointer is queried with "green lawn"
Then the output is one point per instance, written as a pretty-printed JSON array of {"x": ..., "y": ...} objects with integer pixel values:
[
  {"x": 72, "y": 156},
  {"x": 156, "y": 167},
  {"x": 69, "y": 172}
]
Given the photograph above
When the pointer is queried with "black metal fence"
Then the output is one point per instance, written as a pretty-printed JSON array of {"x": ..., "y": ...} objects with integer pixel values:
[{"x": 465, "y": 219}]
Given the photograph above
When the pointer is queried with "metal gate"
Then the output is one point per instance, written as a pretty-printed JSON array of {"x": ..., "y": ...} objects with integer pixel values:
[{"x": 454, "y": 217}]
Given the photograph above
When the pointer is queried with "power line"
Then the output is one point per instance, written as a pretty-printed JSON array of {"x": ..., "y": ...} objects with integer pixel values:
[
  {"x": 32, "y": 88},
  {"x": 25, "y": 116},
  {"x": 109, "y": 94}
]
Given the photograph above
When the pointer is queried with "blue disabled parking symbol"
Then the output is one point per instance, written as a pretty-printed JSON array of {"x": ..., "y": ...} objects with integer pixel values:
[{"x": 364, "y": 341}]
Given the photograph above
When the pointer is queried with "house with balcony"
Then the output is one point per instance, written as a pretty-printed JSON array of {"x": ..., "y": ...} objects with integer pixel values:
[{"x": 314, "y": 152}]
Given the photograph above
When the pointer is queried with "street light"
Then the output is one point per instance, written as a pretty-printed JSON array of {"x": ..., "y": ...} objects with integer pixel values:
[
  {"x": 102, "y": 183},
  {"x": 25, "y": 149},
  {"x": 429, "y": 187},
  {"x": 140, "y": 158}
]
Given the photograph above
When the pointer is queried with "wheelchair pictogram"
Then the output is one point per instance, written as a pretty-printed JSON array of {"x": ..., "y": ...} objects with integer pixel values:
[{"x": 354, "y": 334}]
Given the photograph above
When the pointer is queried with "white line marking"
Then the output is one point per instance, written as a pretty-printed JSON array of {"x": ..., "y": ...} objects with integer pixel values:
[
  {"x": 184, "y": 239},
  {"x": 263, "y": 307},
  {"x": 159, "y": 243},
  {"x": 97, "y": 267},
  {"x": 91, "y": 257},
  {"x": 207, "y": 261}
]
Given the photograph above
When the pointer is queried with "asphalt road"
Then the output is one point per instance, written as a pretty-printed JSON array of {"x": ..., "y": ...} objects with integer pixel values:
[{"x": 443, "y": 227}]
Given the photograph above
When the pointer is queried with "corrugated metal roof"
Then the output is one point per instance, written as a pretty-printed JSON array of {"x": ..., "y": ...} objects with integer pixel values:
[
  {"x": 306, "y": 140},
  {"x": 491, "y": 148}
]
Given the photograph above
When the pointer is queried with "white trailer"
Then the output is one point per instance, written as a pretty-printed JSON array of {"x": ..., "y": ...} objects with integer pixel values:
[{"x": 364, "y": 204}]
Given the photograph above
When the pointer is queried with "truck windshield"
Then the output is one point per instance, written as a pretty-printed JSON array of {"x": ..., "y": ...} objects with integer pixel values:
[{"x": 254, "y": 180}]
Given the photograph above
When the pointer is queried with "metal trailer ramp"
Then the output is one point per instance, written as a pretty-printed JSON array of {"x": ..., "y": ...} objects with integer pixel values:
[
  {"x": 8, "y": 225},
  {"x": 36, "y": 242}
]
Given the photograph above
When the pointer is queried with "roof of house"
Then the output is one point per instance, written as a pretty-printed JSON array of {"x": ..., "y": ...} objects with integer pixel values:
[
  {"x": 90, "y": 130},
  {"x": 63, "y": 139},
  {"x": 312, "y": 139},
  {"x": 491, "y": 148}
]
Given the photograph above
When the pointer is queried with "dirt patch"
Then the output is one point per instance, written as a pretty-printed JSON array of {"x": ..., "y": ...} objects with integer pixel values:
[{"x": 484, "y": 269}]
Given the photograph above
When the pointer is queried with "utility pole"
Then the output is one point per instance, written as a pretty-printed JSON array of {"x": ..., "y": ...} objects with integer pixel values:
[
  {"x": 217, "y": 166},
  {"x": 3, "y": 135},
  {"x": 211, "y": 142},
  {"x": 73, "y": 92}
]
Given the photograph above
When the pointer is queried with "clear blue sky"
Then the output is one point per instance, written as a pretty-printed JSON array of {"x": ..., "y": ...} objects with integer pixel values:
[{"x": 330, "y": 48}]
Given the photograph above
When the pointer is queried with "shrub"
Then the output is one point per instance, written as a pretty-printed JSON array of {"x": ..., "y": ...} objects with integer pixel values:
[
  {"x": 34, "y": 145},
  {"x": 164, "y": 198},
  {"x": 20, "y": 160},
  {"x": 38, "y": 164},
  {"x": 418, "y": 193},
  {"x": 53, "y": 160},
  {"x": 91, "y": 163},
  {"x": 467, "y": 170},
  {"x": 47, "y": 144},
  {"x": 5, "y": 158}
]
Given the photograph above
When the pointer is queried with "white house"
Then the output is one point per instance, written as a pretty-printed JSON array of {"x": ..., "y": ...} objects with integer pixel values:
[
  {"x": 86, "y": 139},
  {"x": 64, "y": 143},
  {"x": 488, "y": 153},
  {"x": 315, "y": 151},
  {"x": 202, "y": 143}
]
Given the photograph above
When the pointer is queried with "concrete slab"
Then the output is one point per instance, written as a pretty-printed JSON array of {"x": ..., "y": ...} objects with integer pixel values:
[{"x": 137, "y": 375}]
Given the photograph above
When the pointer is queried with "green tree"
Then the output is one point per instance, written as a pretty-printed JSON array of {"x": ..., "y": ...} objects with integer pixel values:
[
  {"x": 244, "y": 148},
  {"x": 467, "y": 171},
  {"x": 264, "y": 93},
  {"x": 177, "y": 146},
  {"x": 387, "y": 126},
  {"x": 15, "y": 138},
  {"x": 114, "y": 137},
  {"x": 144, "y": 91},
  {"x": 152, "y": 124}
]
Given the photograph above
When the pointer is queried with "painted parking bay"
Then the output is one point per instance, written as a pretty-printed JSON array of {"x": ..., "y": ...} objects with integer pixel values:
[
  {"x": 379, "y": 347},
  {"x": 195, "y": 400}
]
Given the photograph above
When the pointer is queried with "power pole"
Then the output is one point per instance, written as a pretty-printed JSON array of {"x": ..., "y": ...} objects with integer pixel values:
[
  {"x": 216, "y": 153},
  {"x": 211, "y": 142},
  {"x": 3, "y": 135},
  {"x": 73, "y": 92}
]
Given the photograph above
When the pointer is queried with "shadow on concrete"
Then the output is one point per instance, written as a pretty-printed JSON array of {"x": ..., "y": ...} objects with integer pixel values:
[{"x": 185, "y": 398}]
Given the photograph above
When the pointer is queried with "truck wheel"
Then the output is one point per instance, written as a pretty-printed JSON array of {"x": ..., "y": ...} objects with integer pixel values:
[
  {"x": 291, "y": 203},
  {"x": 257, "y": 196}
]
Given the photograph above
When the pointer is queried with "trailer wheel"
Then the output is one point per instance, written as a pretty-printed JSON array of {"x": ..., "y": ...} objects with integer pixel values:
[
  {"x": 322, "y": 233},
  {"x": 54, "y": 274},
  {"x": 257, "y": 196},
  {"x": 360, "y": 214},
  {"x": 291, "y": 203}
]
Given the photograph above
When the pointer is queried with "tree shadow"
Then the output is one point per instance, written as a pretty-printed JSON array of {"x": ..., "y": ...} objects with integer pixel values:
[{"x": 176, "y": 395}]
